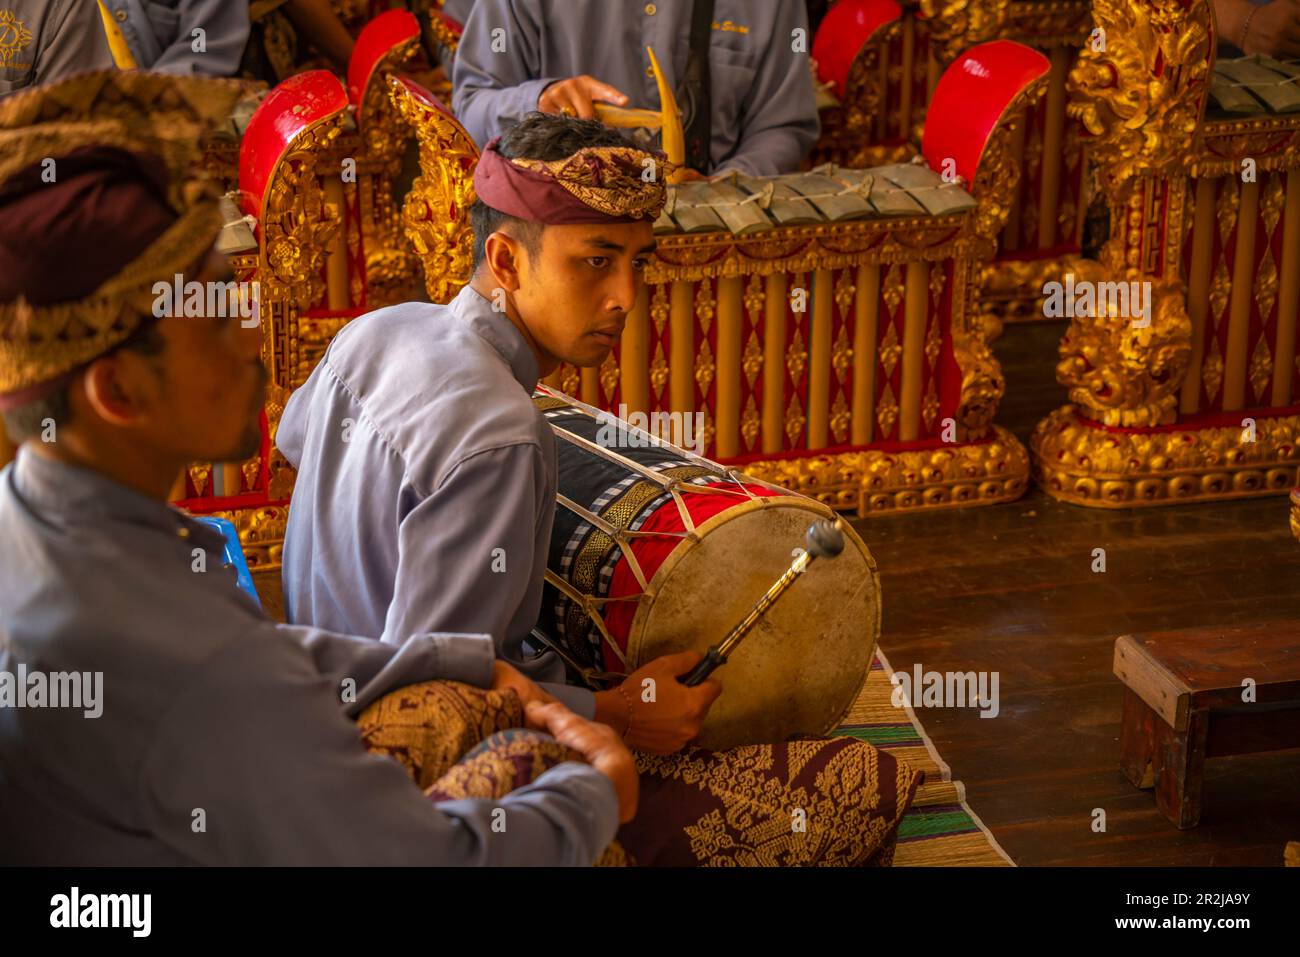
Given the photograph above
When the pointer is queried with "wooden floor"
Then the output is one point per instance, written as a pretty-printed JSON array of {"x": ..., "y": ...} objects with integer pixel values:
[{"x": 1011, "y": 589}]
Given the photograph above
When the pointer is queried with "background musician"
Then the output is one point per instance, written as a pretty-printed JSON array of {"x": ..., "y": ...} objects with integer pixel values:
[
  {"x": 161, "y": 35},
  {"x": 46, "y": 40},
  {"x": 753, "y": 111},
  {"x": 1247, "y": 26}
]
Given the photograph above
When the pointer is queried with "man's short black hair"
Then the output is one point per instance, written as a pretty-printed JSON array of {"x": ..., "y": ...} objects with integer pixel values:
[
  {"x": 546, "y": 137},
  {"x": 29, "y": 420}
]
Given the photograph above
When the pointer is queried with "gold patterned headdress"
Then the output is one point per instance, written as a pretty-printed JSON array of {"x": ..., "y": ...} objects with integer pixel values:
[
  {"x": 598, "y": 184},
  {"x": 157, "y": 115}
]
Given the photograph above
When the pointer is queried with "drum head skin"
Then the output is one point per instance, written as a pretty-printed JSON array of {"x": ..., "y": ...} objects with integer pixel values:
[{"x": 802, "y": 665}]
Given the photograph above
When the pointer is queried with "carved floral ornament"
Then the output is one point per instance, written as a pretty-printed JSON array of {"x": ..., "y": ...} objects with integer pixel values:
[
  {"x": 435, "y": 215},
  {"x": 1142, "y": 100},
  {"x": 1142, "y": 95},
  {"x": 957, "y": 25}
]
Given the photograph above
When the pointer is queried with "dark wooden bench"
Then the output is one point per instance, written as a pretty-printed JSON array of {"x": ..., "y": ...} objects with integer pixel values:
[{"x": 1186, "y": 699}]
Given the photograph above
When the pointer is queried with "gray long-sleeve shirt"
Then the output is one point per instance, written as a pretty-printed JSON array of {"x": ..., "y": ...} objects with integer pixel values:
[
  {"x": 222, "y": 738},
  {"x": 426, "y": 483},
  {"x": 764, "y": 112},
  {"x": 161, "y": 35},
  {"x": 46, "y": 40}
]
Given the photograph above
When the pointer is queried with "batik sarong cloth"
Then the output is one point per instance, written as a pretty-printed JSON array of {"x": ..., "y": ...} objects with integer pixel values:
[{"x": 813, "y": 801}]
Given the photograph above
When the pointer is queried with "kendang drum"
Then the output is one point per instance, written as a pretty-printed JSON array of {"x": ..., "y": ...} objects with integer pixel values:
[{"x": 655, "y": 550}]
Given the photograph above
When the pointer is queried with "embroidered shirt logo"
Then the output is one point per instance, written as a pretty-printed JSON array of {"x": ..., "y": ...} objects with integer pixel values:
[
  {"x": 730, "y": 26},
  {"x": 14, "y": 38}
]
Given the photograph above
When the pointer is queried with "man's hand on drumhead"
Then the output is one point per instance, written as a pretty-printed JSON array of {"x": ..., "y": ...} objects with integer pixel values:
[
  {"x": 575, "y": 96},
  {"x": 598, "y": 743},
  {"x": 665, "y": 714},
  {"x": 506, "y": 676}
]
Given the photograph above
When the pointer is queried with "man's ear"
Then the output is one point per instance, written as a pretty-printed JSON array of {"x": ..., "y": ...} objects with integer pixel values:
[
  {"x": 111, "y": 388},
  {"x": 501, "y": 253}
]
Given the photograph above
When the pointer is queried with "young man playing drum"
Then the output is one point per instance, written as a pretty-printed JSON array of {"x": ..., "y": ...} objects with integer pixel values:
[
  {"x": 427, "y": 482},
  {"x": 427, "y": 486}
]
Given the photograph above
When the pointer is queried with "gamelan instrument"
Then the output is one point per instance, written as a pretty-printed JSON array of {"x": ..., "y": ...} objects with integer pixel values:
[
  {"x": 655, "y": 551},
  {"x": 878, "y": 66},
  {"x": 1203, "y": 192},
  {"x": 1255, "y": 85},
  {"x": 745, "y": 205},
  {"x": 822, "y": 321}
]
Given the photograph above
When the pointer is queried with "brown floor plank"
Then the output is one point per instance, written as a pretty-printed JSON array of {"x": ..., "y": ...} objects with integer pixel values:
[{"x": 1010, "y": 589}]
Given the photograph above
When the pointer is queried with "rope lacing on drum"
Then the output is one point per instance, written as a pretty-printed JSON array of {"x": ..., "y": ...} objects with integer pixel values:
[
  {"x": 591, "y": 605},
  {"x": 593, "y": 676},
  {"x": 671, "y": 485},
  {"x": 619, "y": 536}
]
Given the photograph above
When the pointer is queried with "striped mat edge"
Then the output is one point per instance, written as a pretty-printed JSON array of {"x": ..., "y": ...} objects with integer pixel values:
[{"x": 940, "y": 829}]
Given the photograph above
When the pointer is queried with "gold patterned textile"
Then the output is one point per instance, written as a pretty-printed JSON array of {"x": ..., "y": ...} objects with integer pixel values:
[
  {"x": 428, "y": 727},
  {"x": 595, "y": 185},
  {"x": 138, "y": 112},
  {"x": 610, "y": 179},
  {"x": 457, "y": 742},
  {"x": 815, "y": 801},
  {"x": 823, "y": 802}
]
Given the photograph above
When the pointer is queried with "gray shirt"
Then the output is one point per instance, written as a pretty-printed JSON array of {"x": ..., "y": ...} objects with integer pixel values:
[
  {"x": 764, "y": 112},
  {"x": 161, "y": 36},
  {"x": 222, "y": 738},
  {"x": 47, "y": 40},
  {"x": 458, "y": 10},
  {"x": 426, "y": 483}
]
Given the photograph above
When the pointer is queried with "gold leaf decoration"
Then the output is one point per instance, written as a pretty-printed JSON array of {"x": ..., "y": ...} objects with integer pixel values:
[
  {"x": 887, "y": 411},
  {"x": 930, "y": 406},
  {"x": 754, "y": 298},
  {"x": 1261, "y": 368},
  {"x": 796, "y": 359},
  {"x": 841, "y": 354},
  {"x": 659, "y": 307},
  {"x": 890, "y": 351},
  {"x": 1266, "y": 285},
  {"x": 840, "y": 418},
  {"x": 704, "y": 305},
  {"x": 892, "y": 285},
  {"x": 1226, "y": 207},
  {"x": 658, "y": 371},
  {"x": 1219, "y": 292},
  {"x": 933, "y": 343},
  {"x": 752, "y": 360},
  {"x": 844, "y": 290},
  {"x": 938, "y": 278},
  {"x": 609, "y": 376},
  {"x": 794, "y": 420},
  {"x": 750, "y": 424},
  {"x": 705, "y": 367},
  {"x": 199, "y": 476},
  {"x": 251, "y": 468},
  {"x": 571, "y": 383},
  {"x": 1271, "y": 204},
  {"x": 1212, "y": 370}
]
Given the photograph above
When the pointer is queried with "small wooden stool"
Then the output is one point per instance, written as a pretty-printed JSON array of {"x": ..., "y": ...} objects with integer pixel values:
[{"x": 1186, "y": 699}]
